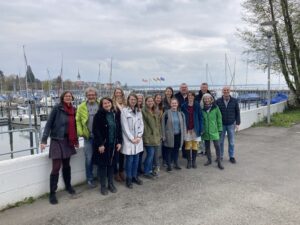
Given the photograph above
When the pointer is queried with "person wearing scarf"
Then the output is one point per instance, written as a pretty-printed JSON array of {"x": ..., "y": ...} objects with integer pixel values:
[
  {"x": 212, "y": 120},
  {"x": 61, "y": 127}
]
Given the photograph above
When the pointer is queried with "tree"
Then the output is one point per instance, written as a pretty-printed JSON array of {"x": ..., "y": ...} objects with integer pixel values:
[
  {"x": 286, "y": 33},
  {"x": 30, "y": 75}
]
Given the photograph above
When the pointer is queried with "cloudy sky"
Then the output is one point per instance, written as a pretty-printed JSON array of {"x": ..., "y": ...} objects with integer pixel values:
[{"x": 146, "y": 38}]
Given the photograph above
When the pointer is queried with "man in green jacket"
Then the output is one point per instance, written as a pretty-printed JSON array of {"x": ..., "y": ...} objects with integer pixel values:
[{"x": 84, "y": 123}]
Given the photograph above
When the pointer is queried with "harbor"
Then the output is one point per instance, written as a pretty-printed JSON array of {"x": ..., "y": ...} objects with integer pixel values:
[{"x": 15, "y": 114}]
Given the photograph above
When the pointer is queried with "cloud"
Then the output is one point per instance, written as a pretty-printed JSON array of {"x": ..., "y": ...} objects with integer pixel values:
[{"x": 144, "y": 37}]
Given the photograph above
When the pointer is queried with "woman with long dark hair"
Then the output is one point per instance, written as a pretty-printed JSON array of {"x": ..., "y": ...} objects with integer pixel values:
[
  {"x": 107, "y": 143},
  {"x": 169, "y": 94},
  {"x": 61, "y": 127},
  {"x": 194, "y": 127}
]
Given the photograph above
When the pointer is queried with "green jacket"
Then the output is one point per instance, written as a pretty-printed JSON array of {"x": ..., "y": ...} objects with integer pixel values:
[
  {"x": 152, "y": 128},
  {"x": 212, "y": 124},
  {"x": 82, "y": 117}
]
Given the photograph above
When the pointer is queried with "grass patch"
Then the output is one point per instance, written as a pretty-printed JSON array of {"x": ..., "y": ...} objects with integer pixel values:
[
  {"x": 29, "y": 200},
  {"x": 286, "y": 119}
]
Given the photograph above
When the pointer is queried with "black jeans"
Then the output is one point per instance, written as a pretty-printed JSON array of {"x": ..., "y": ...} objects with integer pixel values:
[
  {"x": 172, "y": 153},
  {"x": 104, "y": 172}
]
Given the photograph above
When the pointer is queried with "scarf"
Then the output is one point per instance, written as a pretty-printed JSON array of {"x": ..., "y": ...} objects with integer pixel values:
[
  {"x": 207, "y": 107},
  {"x": 72, "y": 134}
]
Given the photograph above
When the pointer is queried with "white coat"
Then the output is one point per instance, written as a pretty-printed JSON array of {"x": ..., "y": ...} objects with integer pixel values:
[{"x": 132, "y": 127}]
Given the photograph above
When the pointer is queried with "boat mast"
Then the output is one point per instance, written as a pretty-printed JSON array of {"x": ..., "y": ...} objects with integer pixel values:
[
  {"x": 98, "y": 80},
  {"x": 26, "y": 66},
  {"x": 61, "y": 72},
  {"x": 110, "y": 77}
]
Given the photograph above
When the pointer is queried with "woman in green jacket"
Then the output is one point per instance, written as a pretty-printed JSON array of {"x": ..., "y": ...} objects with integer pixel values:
[
  {"x": 151, "y": 136},
  {"x": 212, "y": 118}
]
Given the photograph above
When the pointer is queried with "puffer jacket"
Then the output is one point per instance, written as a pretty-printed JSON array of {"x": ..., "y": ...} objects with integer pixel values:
[
  {"x": 231, "y": 113},
  {"x": 212, "y": 123}
]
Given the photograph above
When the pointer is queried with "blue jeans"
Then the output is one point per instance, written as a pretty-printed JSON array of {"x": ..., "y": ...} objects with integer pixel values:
[
  {"x": 88, "y": 152},
  {"x": 230, "y": 135},
  {"x": 131, "y": 165},
  {"x": 148, "y": 163}
]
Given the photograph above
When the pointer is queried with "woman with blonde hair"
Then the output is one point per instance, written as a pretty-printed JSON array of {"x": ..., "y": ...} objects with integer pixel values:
[
  {"x": 173, "y": 131},
  {"x": 119, "y": 103}
]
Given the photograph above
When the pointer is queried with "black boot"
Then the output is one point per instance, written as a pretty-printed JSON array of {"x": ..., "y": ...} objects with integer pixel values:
[
  {"x": 189, "y": 161},
  {"x": 53, "y": 188},
  {"x": 176, "y": 166},
  {"x": 208, "y": 154},
  {"x": 111, "y": 186},
  {"x": 221, "y": 167},
  {"x": 103, "y": 188},
  {"x": 194, "y": 156},
  {"x": 67, "y": 179},
  {"x": 129, "y": 183}
]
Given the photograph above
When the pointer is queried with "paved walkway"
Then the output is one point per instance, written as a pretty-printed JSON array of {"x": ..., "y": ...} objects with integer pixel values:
[{"x": 261, "y": 189}]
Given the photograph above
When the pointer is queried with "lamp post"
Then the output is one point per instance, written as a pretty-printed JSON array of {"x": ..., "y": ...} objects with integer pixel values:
[{"x": 269, "y": 35}]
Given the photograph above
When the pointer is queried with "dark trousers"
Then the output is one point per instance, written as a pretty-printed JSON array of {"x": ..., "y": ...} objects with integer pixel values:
[
  {"x": 140, "y": 166},
  {"x": 164, "y": 153},
  {"x": 172, "y": 153},
  {"x": 105, "y": 172},
  {"x": 119, "y": 167},
  {"x": 208, "y": 151}
]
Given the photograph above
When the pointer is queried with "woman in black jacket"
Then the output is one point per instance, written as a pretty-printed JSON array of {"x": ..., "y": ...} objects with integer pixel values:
[
  {"x": 61, "y": 127},
  {"x": 107, "y": 143}
]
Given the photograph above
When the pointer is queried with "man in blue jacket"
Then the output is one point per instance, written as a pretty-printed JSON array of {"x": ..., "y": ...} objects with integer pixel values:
[{"x": 231, "y": 119}]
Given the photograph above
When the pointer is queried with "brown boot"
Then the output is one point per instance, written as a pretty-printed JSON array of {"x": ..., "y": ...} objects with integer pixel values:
[
  {"x": 122, "y": 176},
  {"x": 118, "y": 178}
]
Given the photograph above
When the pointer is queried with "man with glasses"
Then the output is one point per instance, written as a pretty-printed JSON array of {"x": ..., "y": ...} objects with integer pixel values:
[
  {"x": 231, "y": 119},
  {"x": 84, "y": 123}
]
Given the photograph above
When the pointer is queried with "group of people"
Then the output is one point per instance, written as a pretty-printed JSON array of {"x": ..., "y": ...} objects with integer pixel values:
[{"x": 118, "y": 130}]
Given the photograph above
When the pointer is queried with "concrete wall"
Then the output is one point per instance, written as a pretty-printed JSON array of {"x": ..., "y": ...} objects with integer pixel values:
[
  {"x": 28, "y": 176},
  {"x": 249, "y": 117}
]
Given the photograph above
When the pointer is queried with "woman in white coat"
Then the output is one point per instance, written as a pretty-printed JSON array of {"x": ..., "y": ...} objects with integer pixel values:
[{"x": 132, "y": 129}]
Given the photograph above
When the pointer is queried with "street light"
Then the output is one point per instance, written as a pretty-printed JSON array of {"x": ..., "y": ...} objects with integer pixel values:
[{"x": 269, "y": 35}]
